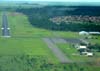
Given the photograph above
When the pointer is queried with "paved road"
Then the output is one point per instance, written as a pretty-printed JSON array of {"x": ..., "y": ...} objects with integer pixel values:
[
  {"x": 73, "y": 40},
  {"x": 58, "y": 40},
  {"x": 58, "y": 53},
  {"x": 5, "y": 28}
]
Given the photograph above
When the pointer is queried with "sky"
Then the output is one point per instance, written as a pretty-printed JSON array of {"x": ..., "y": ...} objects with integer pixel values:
[{"x": 58, "y": 0}]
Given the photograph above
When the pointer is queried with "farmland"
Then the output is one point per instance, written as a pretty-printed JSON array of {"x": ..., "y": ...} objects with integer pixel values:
[{"x": 26, "y": 50}]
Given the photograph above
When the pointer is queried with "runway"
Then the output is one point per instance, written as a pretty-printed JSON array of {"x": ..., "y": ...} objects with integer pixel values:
[{"x": 5, "y": 28}]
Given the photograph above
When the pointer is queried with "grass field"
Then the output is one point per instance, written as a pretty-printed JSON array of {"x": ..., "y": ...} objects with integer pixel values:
[
  {"x": 26, "y": 51},
  {"x": 68, "y": 34},
  {"x": 22, "y": 46},
  {"x": 23, "y": 49},
  {"x": 23, "y": 39},
  {"x": 21, "y": 27},
  {"x": 0, "y": 22}
]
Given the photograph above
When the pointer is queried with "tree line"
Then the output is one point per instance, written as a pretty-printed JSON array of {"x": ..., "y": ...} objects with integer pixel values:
[{"x": 39, "y": 17}]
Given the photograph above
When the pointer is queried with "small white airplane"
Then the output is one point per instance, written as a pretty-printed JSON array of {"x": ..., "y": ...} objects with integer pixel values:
[
  {"x": 2, "y": 28},
  {"x": 8, "y": 28}
]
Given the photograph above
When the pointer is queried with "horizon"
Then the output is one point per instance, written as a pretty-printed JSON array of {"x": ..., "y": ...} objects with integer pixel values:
[{"x": 51, "y": 1}]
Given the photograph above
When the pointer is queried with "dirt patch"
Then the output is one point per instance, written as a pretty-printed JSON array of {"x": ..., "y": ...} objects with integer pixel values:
[{"x": 15, "y": 14}]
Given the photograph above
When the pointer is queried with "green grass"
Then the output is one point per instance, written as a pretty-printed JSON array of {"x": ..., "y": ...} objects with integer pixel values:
[
  {"x": 24, "y": 46},
  {"x": 20, "y": 26},
  {"x": 93, "y": 41},
  {"x": 0, "y": 22},
  {"x": 67, "y": 34},
  {"x": 25, "y": 39},
  {"x": 22, "y": 50}
]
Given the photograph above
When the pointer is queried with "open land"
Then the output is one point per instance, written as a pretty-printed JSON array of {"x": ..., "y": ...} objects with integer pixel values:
[{"x": 40, "y": 49}]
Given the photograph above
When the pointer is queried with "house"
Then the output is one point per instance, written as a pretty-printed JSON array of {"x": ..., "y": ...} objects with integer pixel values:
[
  {"x": 83, "y": 33},
  {"x": 84, "y": 50},
  {"x": 82, "y": 47},
  {"x": 89, "y": 54},
  {"x": 89, "y": 33}
]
